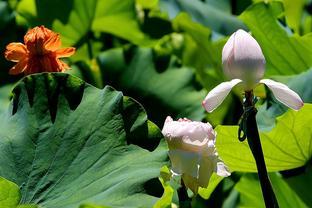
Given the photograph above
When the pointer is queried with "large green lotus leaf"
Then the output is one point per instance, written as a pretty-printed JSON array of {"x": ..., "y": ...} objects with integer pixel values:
[
  {"x": 74, "y": 19},
  {"x": 66, "y": 143},
  {"x": 161, "y": 86},
  {"x": 251, "y": 196},
  {"x": 285, "y": 53},
  {"x": 285, "y": 147}
]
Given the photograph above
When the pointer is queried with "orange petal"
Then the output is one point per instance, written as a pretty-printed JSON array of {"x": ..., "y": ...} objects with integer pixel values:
[
  {"x": 37, "y": 33},
  {"x": 62, "y": 66},
  {"x": 15, "y": 52},
  {"x": 19, "y": 67},
  {"x": 65, "y": 52},
  {"x": 53, "y": 43}
]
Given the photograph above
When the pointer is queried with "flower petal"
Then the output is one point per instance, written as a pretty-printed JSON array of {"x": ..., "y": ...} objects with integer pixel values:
[
  {"x": 19, "y": 67},
  {"x": 184, "y": 134},
  {"x": 228, "y": 50},
  {"x": 283, "y": 94},
  {"x": 222, "y": 169},
  {"x": 53, "y": 43},
  {"x": 207, "y": 166},
  {"x": 190, "y": 182},
  {"x": 65, "y": 52},
  {"x": 62, "y": 66},
  {"x": 216, "y": 96},
  {"x": 247, "y": 49},
  {"x": 184, "y": 162},
  {"x": 15, "y": 52}
]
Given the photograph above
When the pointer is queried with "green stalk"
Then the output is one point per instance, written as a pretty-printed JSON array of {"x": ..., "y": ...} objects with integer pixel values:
[{"x": 253, "y": 139}]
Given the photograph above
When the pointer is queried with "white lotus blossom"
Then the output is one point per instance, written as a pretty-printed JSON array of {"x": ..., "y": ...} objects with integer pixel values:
[
  {"x": 192, "y": 151},
  {"x": 244, "y": 63}
]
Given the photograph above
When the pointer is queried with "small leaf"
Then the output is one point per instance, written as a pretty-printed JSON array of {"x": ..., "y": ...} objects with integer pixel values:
[
  {"x": 166, "y": 199},
  {"x": 9, "y": 194},
  {"x": 213, "y": 183}
]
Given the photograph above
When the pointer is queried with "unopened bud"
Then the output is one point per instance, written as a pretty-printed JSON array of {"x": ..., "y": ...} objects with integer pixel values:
[{"x": 242, "y": 58}]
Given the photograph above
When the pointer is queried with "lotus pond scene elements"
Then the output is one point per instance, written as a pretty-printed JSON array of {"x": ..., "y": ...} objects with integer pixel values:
[{"x": 155, "y": 103}]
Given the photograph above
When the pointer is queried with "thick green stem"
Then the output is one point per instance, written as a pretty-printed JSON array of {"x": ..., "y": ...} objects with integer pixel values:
[
  {"x": 256, "y": 149},
  {"x": 184, "y": 200}
]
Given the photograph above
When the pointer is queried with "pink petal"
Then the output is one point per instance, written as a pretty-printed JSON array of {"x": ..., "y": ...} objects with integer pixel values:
[
  {"x": 283, "y": 94},
  {"x": 216, "y": 96}
]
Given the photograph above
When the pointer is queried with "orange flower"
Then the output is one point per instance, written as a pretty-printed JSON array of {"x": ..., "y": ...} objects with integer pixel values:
[{"x": 40, "y": 53}]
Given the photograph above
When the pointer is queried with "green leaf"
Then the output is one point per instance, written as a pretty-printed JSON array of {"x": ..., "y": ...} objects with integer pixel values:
[
  {"x": 163, "y": 87},
  {"x": 92, "y": 206},
  {"x": 287, "y": 146},
  {"x": 166, "y": 200},
  {"x": 74, "y": 19},
  {"x": 5, "y": 94},
  {"x": 293, "y": 13},
  {"x": 213, "y": 183},
  {"x": 251, "y": 195},
  {"x": 301, "y": 183},
  {"x": 119, "y": 18},
  {"x": 151, "y": 4},
  {"x": 9, "y": 194},
  {"x": 203, "y": 52},
  {"x": 5, "y": 14},
  {"x": 285, "y": 53},
  {"x": 210, "y": 15},
  {"x": 67, "y": 143},
  {"x": 9, "y": 32}
]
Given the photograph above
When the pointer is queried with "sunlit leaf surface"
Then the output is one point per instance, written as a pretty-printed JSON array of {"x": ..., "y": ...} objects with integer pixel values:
[
  {"x": 65, "y": 143},
  {"x": 287, "y": 146}
]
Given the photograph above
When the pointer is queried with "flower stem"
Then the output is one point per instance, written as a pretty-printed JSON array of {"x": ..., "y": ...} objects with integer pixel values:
[
  {"x": 253, "y": 139},
  {"x": 184, "y": 200}
]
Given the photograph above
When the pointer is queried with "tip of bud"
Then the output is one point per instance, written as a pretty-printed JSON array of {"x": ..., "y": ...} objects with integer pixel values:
[{"x": 242, "y": 57}]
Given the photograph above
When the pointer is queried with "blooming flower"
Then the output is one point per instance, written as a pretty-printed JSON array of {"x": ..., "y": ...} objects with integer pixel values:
[
  {"x": 192, "y": 152},
  {"x": 244, "y": 63},
  {"x": 40, "y": 53}
]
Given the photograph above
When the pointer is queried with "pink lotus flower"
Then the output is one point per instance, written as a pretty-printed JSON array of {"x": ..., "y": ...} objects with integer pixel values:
[
  {"x": 192, "y": 152},
  {"x": 244, "y": 63}
]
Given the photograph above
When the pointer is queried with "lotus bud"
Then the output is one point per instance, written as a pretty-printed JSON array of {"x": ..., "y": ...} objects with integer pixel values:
[
  {"x": 192, "y": 152},
  {"x": 242, "y": 58}
]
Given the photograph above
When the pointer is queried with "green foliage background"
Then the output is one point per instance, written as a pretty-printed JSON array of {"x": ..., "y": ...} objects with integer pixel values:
[{"x": 91, "y": 137}]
